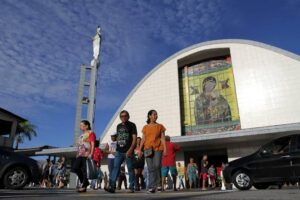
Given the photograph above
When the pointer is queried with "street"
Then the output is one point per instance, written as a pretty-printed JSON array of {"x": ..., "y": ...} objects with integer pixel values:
[{"x": 66, "y": 194}]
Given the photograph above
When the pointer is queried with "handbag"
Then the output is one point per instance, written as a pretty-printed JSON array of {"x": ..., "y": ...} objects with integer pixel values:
[
  {"x": 148, "y": 152},
  {"x": 91, "y": 169}
]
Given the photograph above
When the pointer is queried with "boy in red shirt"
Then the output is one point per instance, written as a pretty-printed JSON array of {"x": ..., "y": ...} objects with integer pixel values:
[
  {"x": 98, "y": 154},
  {"x": 168, "y": 162}
]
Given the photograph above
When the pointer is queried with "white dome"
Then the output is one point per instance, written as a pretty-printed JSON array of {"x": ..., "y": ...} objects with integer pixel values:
[{"x": 266, "y": 78}]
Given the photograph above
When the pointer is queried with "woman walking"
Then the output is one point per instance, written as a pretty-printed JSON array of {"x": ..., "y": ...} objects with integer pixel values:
[
  {"x": 192, "y": 171},
  {"x": 86, "y": 146},
  {"x": 154, "y": 144}
]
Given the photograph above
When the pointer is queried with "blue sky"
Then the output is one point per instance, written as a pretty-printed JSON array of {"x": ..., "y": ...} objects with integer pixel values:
[{"x": 43, "y": 44}]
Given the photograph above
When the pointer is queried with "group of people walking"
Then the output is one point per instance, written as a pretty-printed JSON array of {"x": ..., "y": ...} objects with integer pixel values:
[
  {"x": 53, "y": 174},
  {"x": 153, "y": 149},
  {"x": 204, "y": 174}
]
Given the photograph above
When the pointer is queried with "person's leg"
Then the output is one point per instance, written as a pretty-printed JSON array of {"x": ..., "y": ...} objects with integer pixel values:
[
  {"x": 93, "y": 184},
  {"x": 213, "y": 181},
  {"x": 76, "y": 169},
  {"x": 85, "y": 182},
  {"x": 164, "y": 174},
  {"x": 194, "y": 180},
  {"x": 119, "y": 158},
  {"x": 181, "y": 182},
  {"x": 151, "y": 172},
  {"x": 129, "y": 163},
  {"x": 157, "y": 168},
  {"x": 174, "y": 173},
  {"x": 142, "y": 183},
  {"x": 110, "y": 165},
  {"x": 100, "y": 183},
  {"x": 190, "y": 181},
  {"x": 204, "y": 177},
  {"x": 136, "y": 180},
  {"x": 119, "y": 185},
  {"x": 125, "y": 182}
]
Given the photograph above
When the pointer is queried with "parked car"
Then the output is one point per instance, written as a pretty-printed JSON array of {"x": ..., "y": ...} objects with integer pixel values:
[
  {"x": 275, "y": 163},
  {"x": 16, "y": 170}
]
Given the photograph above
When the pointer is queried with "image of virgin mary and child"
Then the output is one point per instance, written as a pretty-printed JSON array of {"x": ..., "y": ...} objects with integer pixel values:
[{"x": 210, "y": 106}]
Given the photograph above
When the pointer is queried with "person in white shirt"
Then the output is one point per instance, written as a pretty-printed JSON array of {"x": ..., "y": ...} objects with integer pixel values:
[{"x": 111, "y": 150}]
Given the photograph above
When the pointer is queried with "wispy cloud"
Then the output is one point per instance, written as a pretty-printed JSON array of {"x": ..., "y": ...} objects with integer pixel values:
[{"x": 43, "y": 43}]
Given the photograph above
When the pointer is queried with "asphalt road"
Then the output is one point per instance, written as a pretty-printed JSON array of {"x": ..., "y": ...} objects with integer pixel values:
[{"x": 66, "y": 194}]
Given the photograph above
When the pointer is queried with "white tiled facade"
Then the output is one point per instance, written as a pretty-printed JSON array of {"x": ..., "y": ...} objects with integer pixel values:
[{"x": 267, "y": 81}]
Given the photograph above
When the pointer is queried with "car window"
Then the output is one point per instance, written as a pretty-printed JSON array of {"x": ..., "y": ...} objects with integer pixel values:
[
  {"x": 279, "y": 146},
  {"x": 298, "y": 142}
]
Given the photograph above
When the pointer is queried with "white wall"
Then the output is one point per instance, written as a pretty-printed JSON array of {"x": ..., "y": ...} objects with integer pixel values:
[{"x": 267, "y": 85}]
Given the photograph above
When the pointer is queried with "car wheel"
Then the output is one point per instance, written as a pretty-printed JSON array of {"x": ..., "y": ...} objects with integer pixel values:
[
  {"x": 261, "y": 186},
  {"x": 242, "y": 180},
  {"x": 15, "y": 178}
]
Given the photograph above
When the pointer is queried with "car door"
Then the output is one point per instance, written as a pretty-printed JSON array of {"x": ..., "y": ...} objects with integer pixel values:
[
  {"x": 295, "y": 154},
  {"x": 273, "y": 162},
  {"x": 4, "y": 158}
]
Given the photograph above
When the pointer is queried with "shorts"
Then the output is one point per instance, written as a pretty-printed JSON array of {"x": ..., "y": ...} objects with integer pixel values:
[
  {"x": 138, "y": 164},
  {"x": 192, "y": 178},
  {"x": 204, "y": 176},
  {"x": 165, "y": 171}
]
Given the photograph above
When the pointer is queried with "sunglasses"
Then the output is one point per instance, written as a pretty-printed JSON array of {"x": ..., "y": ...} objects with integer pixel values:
[{"x": 123, "y": 116}]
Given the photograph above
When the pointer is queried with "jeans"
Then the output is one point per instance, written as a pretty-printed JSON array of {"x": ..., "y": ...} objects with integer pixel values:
[
  {"x": 79, "y": 167},
  {"x": 110, "y": 165},
  {"x": 119, "y": 159},
  {"x": 94, "y": 184},
  {"x": 181, "y": 183},
  {"x": 154, "y": 165},
  {"x": 146, "y": 177}
]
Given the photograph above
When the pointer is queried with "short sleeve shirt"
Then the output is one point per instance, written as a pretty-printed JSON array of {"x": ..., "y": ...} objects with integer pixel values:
[
  {"x": 84, "y": 145},
  {"x": 169, "y": 160},
  {"x": 152, "y": 134},
  {"x": 112, "y": 148},
  {"x": 204, "y": 168},
  {"x": 124, "y": 136}
]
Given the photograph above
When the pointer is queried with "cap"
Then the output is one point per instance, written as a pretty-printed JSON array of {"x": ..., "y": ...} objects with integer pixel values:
[{"x": 113, "y": 134}]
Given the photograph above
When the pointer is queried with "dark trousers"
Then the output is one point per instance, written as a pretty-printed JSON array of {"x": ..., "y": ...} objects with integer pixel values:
[
  {"x": 79, "y": 167},
  {"x": 120, "y": 180}
]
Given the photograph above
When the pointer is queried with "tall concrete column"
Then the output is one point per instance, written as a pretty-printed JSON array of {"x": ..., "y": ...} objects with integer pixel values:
[{"x": 88, "y": 88}]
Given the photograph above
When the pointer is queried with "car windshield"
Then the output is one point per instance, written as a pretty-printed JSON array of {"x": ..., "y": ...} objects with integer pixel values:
[{"x": 279, "y": 146}]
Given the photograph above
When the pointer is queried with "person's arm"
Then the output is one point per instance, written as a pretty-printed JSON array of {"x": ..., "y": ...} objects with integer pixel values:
[
  {"x": 106, "y": 150},
  {"x": 92, "y": 141},
  {"x": 130, "y": 151},
  {"x": 92, "y": 149},
  {"x": 141, "y": 146},
  {"x": 163, "y": 141},
  {"x": 176, "y": 147},
  {"x": 133, "y": 143},
  {"x": 205, "y": 163}
]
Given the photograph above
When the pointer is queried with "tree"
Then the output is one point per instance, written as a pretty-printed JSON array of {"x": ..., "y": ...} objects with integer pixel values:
[{"x": 25, "y": 130}]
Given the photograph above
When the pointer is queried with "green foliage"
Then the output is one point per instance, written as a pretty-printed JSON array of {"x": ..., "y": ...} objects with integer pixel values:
[{"x": 25, "y": 130}]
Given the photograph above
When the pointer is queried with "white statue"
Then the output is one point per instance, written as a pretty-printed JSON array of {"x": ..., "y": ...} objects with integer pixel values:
[{"x": 96, "y": 43}]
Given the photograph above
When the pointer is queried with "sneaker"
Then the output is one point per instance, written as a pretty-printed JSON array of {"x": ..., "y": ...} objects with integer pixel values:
[
  {"x": 151, "y": 191},
  {"x": 159, "y": 188},
  {"x": 130, "y": 191},
  {"x": 110, "y": 190},
  {"x": 82, "y": 189}
]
